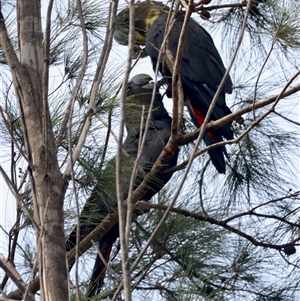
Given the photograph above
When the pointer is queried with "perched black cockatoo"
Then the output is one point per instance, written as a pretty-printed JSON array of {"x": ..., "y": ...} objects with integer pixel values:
[
  {"x": 201, "y": 68},
  {"x": 103, "y": 198}
]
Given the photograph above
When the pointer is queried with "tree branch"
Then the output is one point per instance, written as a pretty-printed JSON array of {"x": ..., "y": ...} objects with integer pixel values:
[
  {"x": 213, "y": 125},
  {"x": 145, "y": 205},
  {"x": 13, "y": 274}
]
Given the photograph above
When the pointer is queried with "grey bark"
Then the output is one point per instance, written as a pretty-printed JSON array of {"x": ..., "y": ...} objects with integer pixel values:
[{"x": 48, "y": 186}]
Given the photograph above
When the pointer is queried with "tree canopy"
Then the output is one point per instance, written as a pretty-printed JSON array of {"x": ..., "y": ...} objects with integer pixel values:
[{"x": 204, "y": 236}]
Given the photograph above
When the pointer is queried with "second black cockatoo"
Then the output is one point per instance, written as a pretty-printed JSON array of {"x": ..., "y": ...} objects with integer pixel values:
[
  {"x": 201, "y": 68},
  {"x": 103, "y": 198}
]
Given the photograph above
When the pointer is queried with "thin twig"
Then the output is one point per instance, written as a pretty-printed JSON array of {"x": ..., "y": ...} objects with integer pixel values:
[
  {"x": 213, "y": 7},
  {"x": 72, "y": 102},
  {"x": 123, "y": 232},
  {"x": 17, "y": 196},
  {"x": 262, "y": 68},
  {"x": 41, "y": 230},
  {"x": 132, "y": 180},
  {"x": 10, "y": 131},
  {"x": 96, "y": 83},
  {"x": 14, "y": 231},
  {"x": 79, "y": 78},
  {"x": 108, "y": 133},
  {"x": 287, "y": 119}
]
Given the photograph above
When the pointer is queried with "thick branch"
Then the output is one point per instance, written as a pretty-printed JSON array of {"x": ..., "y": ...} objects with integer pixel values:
[
  {"x": 213, "y": 125},
  {"x": 12, "y": 273}
]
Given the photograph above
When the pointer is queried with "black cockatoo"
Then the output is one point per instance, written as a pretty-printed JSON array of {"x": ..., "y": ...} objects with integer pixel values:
[
  {"x": 103, "y": 198},
  {"x": 201, "y": 69}
]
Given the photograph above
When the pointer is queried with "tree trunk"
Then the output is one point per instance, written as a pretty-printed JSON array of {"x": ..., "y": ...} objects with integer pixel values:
[{"x": 48, "y": 186}]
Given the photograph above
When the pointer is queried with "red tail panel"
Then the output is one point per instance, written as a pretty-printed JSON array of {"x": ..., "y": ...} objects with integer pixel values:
[
  {"x": 106, "y": 254},
  {"x": 199, "y": 117}
]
